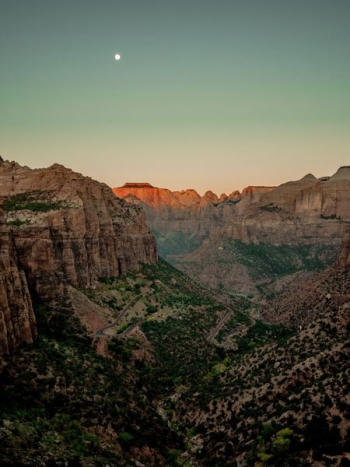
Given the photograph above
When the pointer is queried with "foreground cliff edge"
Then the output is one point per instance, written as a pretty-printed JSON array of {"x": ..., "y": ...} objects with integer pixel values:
[{"x": 60, "y": 228}]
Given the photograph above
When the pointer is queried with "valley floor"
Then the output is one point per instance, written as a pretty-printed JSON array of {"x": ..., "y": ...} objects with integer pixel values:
[{"x": 153, "y": 369}]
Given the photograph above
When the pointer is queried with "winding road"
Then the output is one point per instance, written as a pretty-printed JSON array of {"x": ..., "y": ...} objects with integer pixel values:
[
  {"x": 219, "y": 326},
  {"x": 101, "y": 332}
]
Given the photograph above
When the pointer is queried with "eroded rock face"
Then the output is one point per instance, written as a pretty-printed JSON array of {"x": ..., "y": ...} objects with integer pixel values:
[
  {"x": 308, "y": 211},
  {"x": 305, "y": 210},
  {"x": 70, "y": 229},
  {"x": 186, "y": 212},
  {"x": 17, "y": 320},
  {"x": 344, "y": 255}
]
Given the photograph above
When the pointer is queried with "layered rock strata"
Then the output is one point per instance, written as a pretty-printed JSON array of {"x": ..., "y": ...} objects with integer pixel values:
[
  {"x": 308, "y": 210},
  {"x": 70, "y": 229},
  {"x": 17, "y": 320}
]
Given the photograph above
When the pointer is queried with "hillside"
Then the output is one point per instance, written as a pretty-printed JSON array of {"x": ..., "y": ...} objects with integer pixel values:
[
  {"x": 84, "y": 393},
  {"x": 230, "y": 390},
  {"x": 277, "y": 405}
]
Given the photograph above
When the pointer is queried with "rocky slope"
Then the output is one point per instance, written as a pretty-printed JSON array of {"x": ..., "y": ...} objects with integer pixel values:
[
  {"x": 69, "y": 229},
  {"x": 284, "y": 403},
  {"x": 309, "y": 297}
]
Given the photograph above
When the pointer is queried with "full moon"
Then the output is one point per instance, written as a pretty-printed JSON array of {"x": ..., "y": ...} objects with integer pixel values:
[{"x": 117, "y": 56}]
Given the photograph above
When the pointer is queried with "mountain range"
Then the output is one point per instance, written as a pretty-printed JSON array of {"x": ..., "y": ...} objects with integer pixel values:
[
  {"x": 110, "y": 355},
  {"x": 206, "y": 236}
]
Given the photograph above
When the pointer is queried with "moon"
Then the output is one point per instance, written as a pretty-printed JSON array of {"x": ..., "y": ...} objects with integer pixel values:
[{"x": 117, "y": 56}]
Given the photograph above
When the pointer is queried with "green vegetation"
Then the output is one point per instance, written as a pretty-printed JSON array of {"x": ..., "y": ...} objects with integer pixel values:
[
  {"x": 58, "y": 399},
  {"x": 260, "y": 334},
  {"x": 17, "y": 223},
  {"x": 275, "y": 448},
  {"x": 266, "y": 260},
  {"x": 37, "y": 201}
]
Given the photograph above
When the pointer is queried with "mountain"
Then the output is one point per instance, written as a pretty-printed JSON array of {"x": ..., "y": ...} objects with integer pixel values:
[
  {"x": 111, "y": 356},
  {"x": 206, "y": 236},
  {"x": 60, "y": 228}
]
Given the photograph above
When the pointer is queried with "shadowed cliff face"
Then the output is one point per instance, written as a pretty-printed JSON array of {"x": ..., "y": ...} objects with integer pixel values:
[
  {"x": 17, "y": 320},
  {"x": 70, "y": 229}
]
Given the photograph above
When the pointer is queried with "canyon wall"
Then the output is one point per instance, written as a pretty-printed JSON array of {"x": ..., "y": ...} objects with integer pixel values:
[
  {"x": 17, "y": 320},
  {"x": 300, "y": 223},
  {"x": 69, "y": 229},
  {"x": 304, "y": 211}
]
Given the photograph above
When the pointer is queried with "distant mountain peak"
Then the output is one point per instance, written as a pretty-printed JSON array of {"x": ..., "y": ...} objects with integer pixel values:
[
  {"x": 343, "y": 173},
  {"x": 308, "y": 177}
]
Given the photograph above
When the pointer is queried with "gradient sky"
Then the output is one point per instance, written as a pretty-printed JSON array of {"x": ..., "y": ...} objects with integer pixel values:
[{"x": 208, "y": 94}]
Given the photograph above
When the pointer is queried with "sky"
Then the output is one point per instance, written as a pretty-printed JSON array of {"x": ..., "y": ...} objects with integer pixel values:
[{"x": 207, "y": 95}]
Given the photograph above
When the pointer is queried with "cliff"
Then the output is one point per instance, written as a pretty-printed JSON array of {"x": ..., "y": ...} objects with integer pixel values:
[
  {"x": 69, "y": 229},
  {"x": 308, "y": 210},
  {"x": 185, "y": 213},
  {"x": 17, "y": 320},
  {"x": 199, "y": 235}
]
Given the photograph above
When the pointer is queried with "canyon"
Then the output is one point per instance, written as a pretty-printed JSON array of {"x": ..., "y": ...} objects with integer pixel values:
[
  {"x": 110, "y": 355},
  {"x": 203, "y": 235}
]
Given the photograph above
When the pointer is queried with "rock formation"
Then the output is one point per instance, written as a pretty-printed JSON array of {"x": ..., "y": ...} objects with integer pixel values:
[
  {"x": 69, "y": 229},
  {"x": 17, "y": 320},
  {"x": 307, "y": 210},
  {"x": 191, "y": 230}
]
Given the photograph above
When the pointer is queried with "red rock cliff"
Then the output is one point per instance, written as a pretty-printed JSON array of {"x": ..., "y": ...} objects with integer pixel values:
[
  {"x": 17, "y": 320},
  {"x": 70, "y": 229}
]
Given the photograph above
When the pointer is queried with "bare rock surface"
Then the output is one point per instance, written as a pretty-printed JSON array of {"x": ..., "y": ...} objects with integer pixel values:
[
  {"x": 190, "y": 230},
  {"x": 68, "y": 229},
  {"x": 17, "y": 320},
  {"x": 309, "y": 210}
]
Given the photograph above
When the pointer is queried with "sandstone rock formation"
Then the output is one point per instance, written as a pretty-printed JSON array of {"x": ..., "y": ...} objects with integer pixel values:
[
  {"x": 69, "y": 229},
  {"x": 17, "y": 320},
  {"x": 308, "y": 211},
  {"x": 185, "y": 213}
]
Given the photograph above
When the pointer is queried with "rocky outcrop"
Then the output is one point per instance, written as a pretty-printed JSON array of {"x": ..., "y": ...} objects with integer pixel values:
[
  {"x": 70, "y": 229},
  {"x": 344, "y": 255},
  {"x": 17, "y": 320},
  {"x": 309, "y": 198}
]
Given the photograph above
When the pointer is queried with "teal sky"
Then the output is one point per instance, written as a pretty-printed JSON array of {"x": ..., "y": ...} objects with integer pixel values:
[{"x": 208, "y": 94}]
